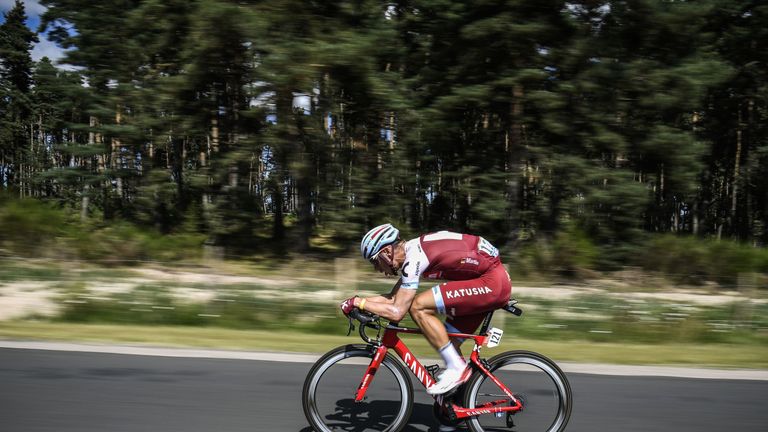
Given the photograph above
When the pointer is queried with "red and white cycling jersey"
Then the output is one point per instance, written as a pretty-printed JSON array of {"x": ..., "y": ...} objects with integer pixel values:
[{"x": 447, "y": 255}]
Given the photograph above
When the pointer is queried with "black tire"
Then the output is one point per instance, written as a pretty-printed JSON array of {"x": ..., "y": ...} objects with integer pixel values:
[
  {"x": 555, "y": 390},
  {"x": 349, "y": 415}
]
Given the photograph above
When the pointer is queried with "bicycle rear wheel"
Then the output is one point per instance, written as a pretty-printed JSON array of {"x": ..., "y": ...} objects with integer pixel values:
[
  {"x": 537, "y": 381},
  {"x": 329, "y": 391}
]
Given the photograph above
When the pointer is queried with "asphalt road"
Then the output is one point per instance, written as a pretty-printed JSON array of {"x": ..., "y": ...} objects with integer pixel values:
[{"x": 52, "y": 391}]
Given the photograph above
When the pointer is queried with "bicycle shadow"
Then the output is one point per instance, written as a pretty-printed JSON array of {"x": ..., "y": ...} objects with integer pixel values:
[{"x": 353, "y": 417}]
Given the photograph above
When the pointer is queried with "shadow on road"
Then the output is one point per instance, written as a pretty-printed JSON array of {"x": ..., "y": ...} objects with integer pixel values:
[{"x": 349, "y": 417}]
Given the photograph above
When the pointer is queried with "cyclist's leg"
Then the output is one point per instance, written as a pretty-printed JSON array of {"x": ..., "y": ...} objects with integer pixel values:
[
  {"x": 429, "y": 304},
  {"x": 464, "y": 324},
  {"x": 465, "y": 303},
  {"x": 473, "y": 297},
  {"x": 456, "y": 299},
  {"x": 424, "y": 312}
]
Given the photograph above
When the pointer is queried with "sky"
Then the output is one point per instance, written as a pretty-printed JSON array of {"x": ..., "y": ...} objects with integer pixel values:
[{"x": 44, "y": 48}]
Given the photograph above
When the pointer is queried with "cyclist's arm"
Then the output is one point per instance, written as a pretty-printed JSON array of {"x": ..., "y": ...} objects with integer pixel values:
[
  {"x": 386, "y": 298},
  {"x": 393, "y": 306}
]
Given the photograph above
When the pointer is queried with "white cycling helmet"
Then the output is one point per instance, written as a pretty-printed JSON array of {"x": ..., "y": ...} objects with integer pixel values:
[{"x": 377, "y": 238}]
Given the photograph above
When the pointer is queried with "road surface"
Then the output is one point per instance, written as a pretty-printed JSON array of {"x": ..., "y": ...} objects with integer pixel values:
[{"x": 59, "y": 391}]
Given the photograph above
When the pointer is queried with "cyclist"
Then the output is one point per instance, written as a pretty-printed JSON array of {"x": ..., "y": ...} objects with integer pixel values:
[{"x": 477, "y": 283}]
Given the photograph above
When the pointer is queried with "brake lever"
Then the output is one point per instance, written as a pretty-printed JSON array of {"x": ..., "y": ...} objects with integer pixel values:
[{"x": 351, "y": 326}]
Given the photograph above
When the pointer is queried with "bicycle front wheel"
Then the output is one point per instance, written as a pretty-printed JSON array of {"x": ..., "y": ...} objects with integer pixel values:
[
  {"x": 537, "y": 381},
  {"x": 329, "y": 391}
]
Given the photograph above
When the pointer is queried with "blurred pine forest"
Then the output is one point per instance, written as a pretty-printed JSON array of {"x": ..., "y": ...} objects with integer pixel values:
[{"x": 580, "y": 134}]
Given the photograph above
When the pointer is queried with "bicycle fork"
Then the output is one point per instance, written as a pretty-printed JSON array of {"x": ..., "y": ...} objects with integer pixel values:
[{"x": 378, "y": 357}]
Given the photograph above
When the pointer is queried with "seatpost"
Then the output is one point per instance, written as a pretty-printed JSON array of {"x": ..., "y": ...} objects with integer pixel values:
[{"x": 486, "y": 323}]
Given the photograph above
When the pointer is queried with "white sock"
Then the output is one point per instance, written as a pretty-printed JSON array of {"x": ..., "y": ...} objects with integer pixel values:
[{"x": 452, "y": 358}]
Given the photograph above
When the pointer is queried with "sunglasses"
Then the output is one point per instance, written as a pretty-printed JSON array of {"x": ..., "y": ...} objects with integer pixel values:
[{"x": 376, "y": 256}]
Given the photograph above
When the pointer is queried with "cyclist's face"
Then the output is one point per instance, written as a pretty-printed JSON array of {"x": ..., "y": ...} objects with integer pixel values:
[{"x": 384, "y": 263}]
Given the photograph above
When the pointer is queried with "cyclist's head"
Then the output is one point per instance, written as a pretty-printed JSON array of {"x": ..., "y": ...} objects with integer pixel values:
[{"x": 377, "y": 239}]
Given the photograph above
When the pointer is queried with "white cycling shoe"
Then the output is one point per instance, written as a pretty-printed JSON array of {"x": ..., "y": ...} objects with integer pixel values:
[{"x": 449, "y": 380}]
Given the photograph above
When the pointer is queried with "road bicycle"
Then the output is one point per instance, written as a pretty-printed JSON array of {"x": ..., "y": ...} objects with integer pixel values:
[{"x": 514, "y": 390}]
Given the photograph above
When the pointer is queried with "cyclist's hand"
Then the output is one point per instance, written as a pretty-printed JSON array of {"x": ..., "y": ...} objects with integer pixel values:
[{"x": 347, "y": 305}]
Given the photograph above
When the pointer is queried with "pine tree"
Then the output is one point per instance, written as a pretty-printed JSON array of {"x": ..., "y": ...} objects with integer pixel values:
[
  {"x": 16, "y": 42},
  {"x": 734, "y": 193},
  {"x": 59, "y": 101}
]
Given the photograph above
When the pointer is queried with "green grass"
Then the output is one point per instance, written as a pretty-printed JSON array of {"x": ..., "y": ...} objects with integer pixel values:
[
  {"x": 709, "y": 355},
  {"x": 597, "y": 318},
  {"x": 10, "y": 272}
]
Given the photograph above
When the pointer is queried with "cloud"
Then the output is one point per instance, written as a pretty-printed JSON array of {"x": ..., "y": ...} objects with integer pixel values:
[
  {"x": 46, "y": 48},
  {"x": 55, "y": 53}
]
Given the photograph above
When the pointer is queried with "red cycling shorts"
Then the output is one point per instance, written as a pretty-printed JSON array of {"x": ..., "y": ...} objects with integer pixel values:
[{"x": 466, "y": 302}]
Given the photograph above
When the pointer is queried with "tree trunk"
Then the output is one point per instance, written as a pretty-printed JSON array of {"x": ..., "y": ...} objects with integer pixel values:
[
  {"x": 281, "y": 176},
  {"x": 214, "y": 142},
  {"x": 304, "y": 209},
  {"x": 178, "y": 171},
  {"x": 736, "y": 175},
  {"x": 750, "y": 231},
  {"x": 115, "y": 159},
  {"x": 85, "y": 201},
  {"x": 205, "y": 199},
  {"x": 278, "y": 227},
  {"x": 513, "y": 145},
  {"x": 695, "y": 213},
  {"x": 695, "y": 210}
]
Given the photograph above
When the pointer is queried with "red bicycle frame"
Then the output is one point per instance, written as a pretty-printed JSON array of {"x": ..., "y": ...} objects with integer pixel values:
[{"x": 391, "y": 340}]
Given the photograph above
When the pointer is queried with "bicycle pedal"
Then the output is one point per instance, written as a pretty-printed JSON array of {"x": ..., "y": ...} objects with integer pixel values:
[{"x": 450, "y": 414}]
